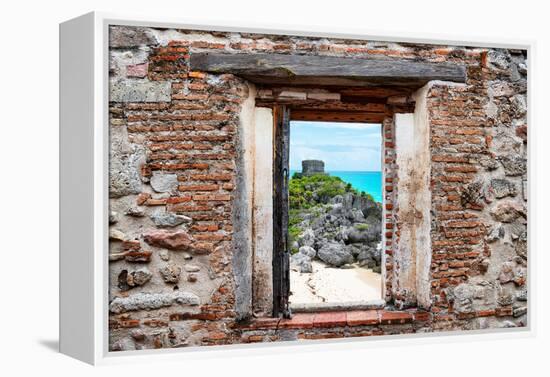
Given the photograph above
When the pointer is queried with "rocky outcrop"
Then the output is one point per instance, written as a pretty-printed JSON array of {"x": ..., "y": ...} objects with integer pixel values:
[{"x": 343, "y": 231}]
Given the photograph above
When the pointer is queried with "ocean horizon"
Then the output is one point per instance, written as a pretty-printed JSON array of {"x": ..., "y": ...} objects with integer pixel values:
[{"x": 367, "y": 181}]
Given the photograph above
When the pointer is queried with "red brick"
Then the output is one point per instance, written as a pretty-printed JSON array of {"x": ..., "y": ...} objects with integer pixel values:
[
  {"x": 261, "y": 323},
  {"x": 196, "y": 74},
  {"x": 178, "y": 199},
  {"x": 362, "y": 317},
  {"x": 123, "y": 323},
  {"x": 155, "y": 202},
  {"x": 155, "y": 323},
  {"x": 330, "y": 319},
  {"x": 391, "y": 318},
  {"x": 212, "y": 177},
  {"x": 198, "y": 187},
  {"x": 503, "y": 312},
  {"x": 298, "y": 321},
  {"x": 138, "y": 256},
  {"x": 422, "y": 316},
  {"x": 217, "y": 335},
  {"x": 485, "y": 313},
  {"x": 142, "y": 198},
  {"x": 204, "y": 228}
]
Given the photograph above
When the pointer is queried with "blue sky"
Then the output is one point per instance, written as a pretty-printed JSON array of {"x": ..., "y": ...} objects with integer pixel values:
[{"x": 342, "y": 146}]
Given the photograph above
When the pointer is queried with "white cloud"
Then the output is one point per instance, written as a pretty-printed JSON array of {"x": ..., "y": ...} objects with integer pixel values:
[{"x": 342, "y": 146}]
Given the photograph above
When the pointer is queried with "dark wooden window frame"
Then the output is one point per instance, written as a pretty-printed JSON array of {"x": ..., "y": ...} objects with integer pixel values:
[
  {"x": 282, "y": 116},
  {"x": 281, "y": 246}
]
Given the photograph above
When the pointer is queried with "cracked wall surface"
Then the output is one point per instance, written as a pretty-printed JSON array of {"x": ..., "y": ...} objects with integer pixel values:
[{"x": 180, "y": 229}]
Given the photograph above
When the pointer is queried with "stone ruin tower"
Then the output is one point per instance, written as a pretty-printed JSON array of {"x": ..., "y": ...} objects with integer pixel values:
[{"x": 310, "y": 167}]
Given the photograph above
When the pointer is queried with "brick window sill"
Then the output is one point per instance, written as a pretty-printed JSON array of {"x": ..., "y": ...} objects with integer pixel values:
[{"x": 349, "y": 318}]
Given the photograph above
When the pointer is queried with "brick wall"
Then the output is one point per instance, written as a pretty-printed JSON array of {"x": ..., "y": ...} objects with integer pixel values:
[
  {"x": 390, "y": 238},
  {"x": 174, "y": 172}
]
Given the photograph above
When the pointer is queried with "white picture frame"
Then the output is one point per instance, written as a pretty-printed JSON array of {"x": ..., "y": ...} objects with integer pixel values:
[{"x": 84, "y": 193}]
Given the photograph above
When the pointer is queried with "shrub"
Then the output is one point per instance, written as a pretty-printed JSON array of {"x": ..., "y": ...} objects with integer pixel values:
[
  {"x": 361, "y": 226},
  {"x": 308, "y": 191}
]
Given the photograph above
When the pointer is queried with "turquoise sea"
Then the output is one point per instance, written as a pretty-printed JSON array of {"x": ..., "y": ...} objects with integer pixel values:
[{"x": 368, "y": 181}]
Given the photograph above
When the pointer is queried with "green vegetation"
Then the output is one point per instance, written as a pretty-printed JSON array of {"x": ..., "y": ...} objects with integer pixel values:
[
  {"x": 309, "y": 195},
  {"x": 361, "y": 226},
  {"x": 308, "y": 191}
]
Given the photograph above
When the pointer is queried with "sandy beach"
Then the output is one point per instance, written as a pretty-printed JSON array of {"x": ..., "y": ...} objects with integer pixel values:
[{"x": 334, "y": 285}]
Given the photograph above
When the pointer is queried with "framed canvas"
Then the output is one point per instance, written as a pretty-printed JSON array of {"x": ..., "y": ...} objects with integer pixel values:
[{"x": 225, "y": 188}]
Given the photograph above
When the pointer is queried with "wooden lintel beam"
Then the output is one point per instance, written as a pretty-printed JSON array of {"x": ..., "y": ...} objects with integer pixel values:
[
  {"x": 326, "y": 70},
  {"x": 337, "y": 116}
]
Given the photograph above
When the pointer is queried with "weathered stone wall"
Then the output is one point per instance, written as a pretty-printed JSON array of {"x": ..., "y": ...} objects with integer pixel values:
[
  {"x": 178, "y": 247},
  {"x": 478, "y": 179}
]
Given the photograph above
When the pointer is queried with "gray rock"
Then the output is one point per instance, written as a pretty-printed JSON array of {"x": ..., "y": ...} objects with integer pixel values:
[
  {"x": 522, "y": 295},
  {"x": 191, "y": 268},
  {"x": 125, "y": 161},
  {"x": 508, "y": 211},
  {"x": 113, "y": 257},
  {"x": 514, "y": 165},
  {"x": 124, "y": 176},
  {"x": 164, "y": 255},
  {"x": 139, "y": 90},
  {"x": 139, "y": 277},
  {"x": 520, "y": 276},
  {"x": 127, "y": 280},
  {"x": 135, "y": 212},
  {"x": 521, "y": 246},
  {"x": 115, "y": 234},
  {"x": 138, "y": 335},
  {"x": 366, "y": 257},
  {"x": 365, "y": 233},
  {"x": 335, "y": 254},
  {"x": 506, "y": 273},
  {"x": 152, "y": 301},
  {"x": 336, "y": 199},
  {"x": 500, "y": 89},
  {"x": 164, "y": 182},
  {"x": 505, "y": 298},
  {"x": 522, "y": 68},
  {"x": 130, "y": 36},
  {"x": 519, "y": 104},
  {"x": 472, "y": 193},
  {"x": 496, "y": 233},
  {"x": 499, "y": 59},
  {"x": 503, "y": 187},
  {"x": 489, "y": 163},
  {"x": 463, "y": 298},
  {"x": 518, "y": 312},
  {"x": 113, "y": 217},
  {"x": 170, "y": 273},
  {"x": 169, "y": 219},
  {"x": 308, "y": 251},
  {"x": 307, "y": 238},
  {"x": 302, "y": 262},
  {"x": 124, "y": 344}
]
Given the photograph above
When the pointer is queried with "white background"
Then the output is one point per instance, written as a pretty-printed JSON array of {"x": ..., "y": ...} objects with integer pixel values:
[{"x": 29, "y": 184}]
